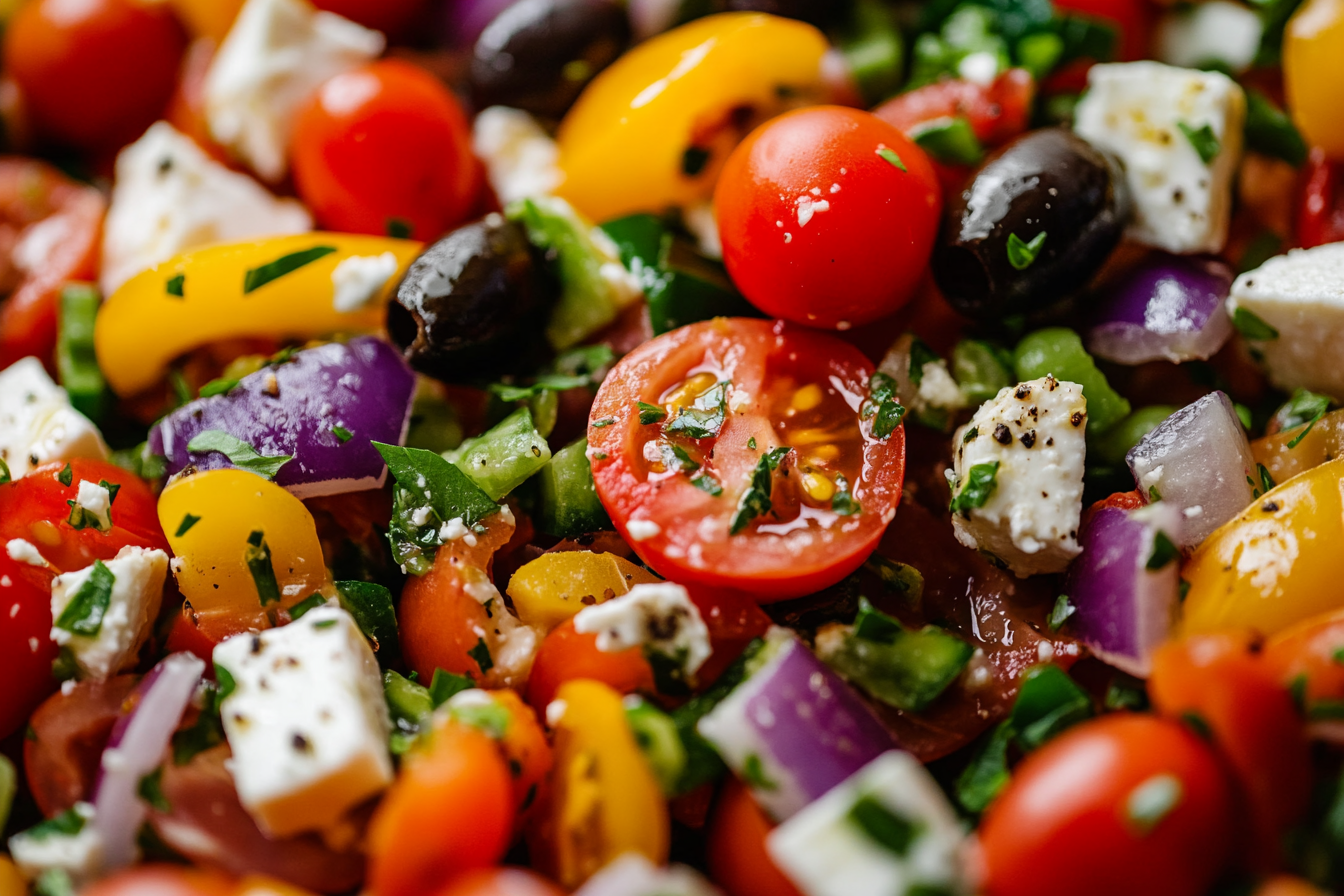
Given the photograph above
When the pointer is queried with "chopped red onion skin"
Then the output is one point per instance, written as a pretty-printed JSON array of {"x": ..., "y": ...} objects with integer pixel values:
[{"x": 1169, "y": 308}]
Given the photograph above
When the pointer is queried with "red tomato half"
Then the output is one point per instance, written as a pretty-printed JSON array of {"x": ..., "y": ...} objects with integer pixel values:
[
  {"x": 997, "y": 112},
  {"x": 827, "y": 216},
  {"x": 790, "y": 387},
  {"x": 26, "y": 648}
]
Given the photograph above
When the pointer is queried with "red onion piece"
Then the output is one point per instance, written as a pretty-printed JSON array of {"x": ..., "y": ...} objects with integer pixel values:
[
  {"x": 362, "y": 386},
  {"x": 137, "y": 746},
  {"x": 802, "y": 727},
  {"x": 1124, "y": 609},
  {"x": 1169, "y": 308}
]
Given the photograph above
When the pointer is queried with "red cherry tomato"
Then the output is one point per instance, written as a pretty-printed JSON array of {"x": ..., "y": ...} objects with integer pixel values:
[
  {"x": 26, "y": 648},
  {"x": 817, "y": 226},
  {"x": 96, "y": 73},
  {"x": 389, "y": 16},
  {"x": 997, "y": 112},
  {"x": 738, "y": 860},
  {"x": 790, "y": 388},
  {"x": 163, "y": 880},
  {"x": 1320, "y": 218},
  {"x": 69, "y": 731},
  {"x": 383, "y": 148},
  {"x": 1131, "y": 18},
  {"x": 1122, "y": 805}
]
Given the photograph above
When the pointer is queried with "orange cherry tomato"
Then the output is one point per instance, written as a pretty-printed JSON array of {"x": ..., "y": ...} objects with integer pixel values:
[
  {"x": 566, "y": 655},
  {"x": 93, "y": 74},
  {"x": 524, "y": 745},
  {"x": 1311, "y": 652},
  {"x": 738, "y": 861},
  {"x": 385, "y": 149},
  {"x": 501, "y": 882},
  {"x": 450, "y": 811}
]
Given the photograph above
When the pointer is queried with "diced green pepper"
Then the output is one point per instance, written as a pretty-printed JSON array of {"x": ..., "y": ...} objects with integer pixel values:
[
  {"x": 1110, "y": 447},
  {"x": 1059, "y": 352},
  {"x": 76, "y": 363},
  {"x": 871, "y": 43},
  {"x": 504, "y": 457},
  {"x": 658, "y": 737},
  {"x": 981, "y": 369},
  {"x": 567, "y": 503},
  {"x": 1048, "y": 702}
]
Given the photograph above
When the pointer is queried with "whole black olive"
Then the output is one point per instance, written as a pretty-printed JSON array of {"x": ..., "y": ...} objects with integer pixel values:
[
  {"x": 1035, "y": 222},
  {"x": 538, "y": 55},
  {"x": 474, "y": 304}
]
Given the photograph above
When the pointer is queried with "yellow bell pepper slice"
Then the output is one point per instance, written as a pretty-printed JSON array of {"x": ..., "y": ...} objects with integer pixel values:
[
  {"x": 606, "y": 800},
  {"x": 554, "y": 587},
  {"x": 654, "y": 128},
  {"x": 1313, "y": 73},
  {"x": 1277, "y": 563},
  {"x": 210, "y": 519},
  {"x": 11, "y": 881},
  {"x": 277, "y": 287}
]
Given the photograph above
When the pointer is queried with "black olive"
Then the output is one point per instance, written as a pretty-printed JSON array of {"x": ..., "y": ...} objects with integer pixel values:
[
  {"x": 474, "y": 304},
  {"x": 1048, "y": 181},
  {"x": 538, "y": 55}
]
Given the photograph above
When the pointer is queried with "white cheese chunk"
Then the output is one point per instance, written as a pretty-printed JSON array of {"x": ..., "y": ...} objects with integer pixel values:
[
  {"x": 1301, "y": 296},
  {"x": 511, "y": 644},
  {"x": 827, "y": 849},
  {"x": 660, "y": 617},
  {"x": 95, "y": 502},
  {"x": 633, "y": 875},
  {"x": 169, "y": 196},
  {"x": 37, "y": 424},
  {"x": 1214, "y": 31},
  {"x": 1034, "y": 431},
  {"x": 359, "y": 279},
  {"x": 25, "y": 552},
  {"x": 137, "y": 590},
  {"x": 521, "y": 160},
  {"x": 928, "y": 391},
  {"x": 79, "y": 854},
  {"x": 307, "y": 721},
  {"x": 275, "y": 57},
  {"x": 1137, "y": 110}
]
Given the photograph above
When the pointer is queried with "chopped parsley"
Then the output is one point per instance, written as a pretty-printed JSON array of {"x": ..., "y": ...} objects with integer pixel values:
[
  {"x": 1060, "y": 613},
  {"x": 188, "y": 520},
  {"x": 751, "y": 443},
  {"x": 301, "y": 609},
  {"x": 1022, "y": 255},
  {"x": 1252, "y": 326},
  {"x": 981, "y": 481},
  {"x": 257, "y": 555},
  {"x": 704, "y": 418},
  {"x": 1164, "y": 551},
  {"x": 1153, "y": 494},
  {"x": 217, "y": 387},
  {"x": 1202, "y": 139},
  {"x": 4, "y": 472},
  {"x": 1152, "y": 801},
  {"x": 240, "y": 454},
  {"x": 842, "y": 502},
  {"x": 371, "y": 606},
  {"x": 481, "y": 654},
  {"x": 755, "y": 501},
  {"x": 707, "y": 483},
  {"x": 66, "y": 476},
  {"x": 257, "y": 277},
  {"x": 891, "y": 157},
  {"x": 675, "y": 458},
  {"x": 920, "y": 354},
  {"x": 949, "y": 139},
  {"x": 151, "y": 791},
  {"x": 970, "y": 435},
  {"x": 445, "y": 685},
  {"x": 67, "y": 824},
  {"x": 399, "y": 228},
  {"x": 881, "y": 406},
  {"x": 882, "y": 826},
  {"x": 175, "y": 284},
  {"x": 84, "y": 614},
  {"x": 650, "y": 413},
  {"x": 605, "y": 421},
  {"x": 342, "y": 434},
  {"x": 753, "y": 772}
]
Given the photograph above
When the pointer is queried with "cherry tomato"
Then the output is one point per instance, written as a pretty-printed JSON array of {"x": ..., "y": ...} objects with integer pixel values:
[
  {"x": 997, "y": 112},
  {"x": 1310, "y": 652},
  {"x": 501, "y": 882},
  {"x": 827, "y": 216},
  {"x": 1220, "y": 680},
  {"x": 389, "y": 16},
  {"x": 566, "y": 655},
  {"x": 26, "y": 648},
  {"x": 383, "y": 148},
  {"x": 163, "y": 880},
  {"x": 829, "y": 499},
  {"x": 1131, "y": 18},
  {"x": 1121, "y": 805},
  {"x": 93, "y": 74},
  {"x": 69, "y": 732},
  {"x": 448, "y": 812},
  {"x": 50, "y": 233},
  {"x": 738, "y": 861},
  {"x": 1320, "y": 217},
  {"x": 523, "y": 743}
]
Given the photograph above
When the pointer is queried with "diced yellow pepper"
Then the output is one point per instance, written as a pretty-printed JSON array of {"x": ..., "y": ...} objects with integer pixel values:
[
  {"x": 555, "y": 586},
  {"x": 279, "y": 287},
  {"x": 1313, "y": 73},
  {"x": 11, "y": 882}
]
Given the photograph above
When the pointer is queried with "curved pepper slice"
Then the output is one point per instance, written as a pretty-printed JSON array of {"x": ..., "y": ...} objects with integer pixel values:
[{"x": 284, "y": 287}]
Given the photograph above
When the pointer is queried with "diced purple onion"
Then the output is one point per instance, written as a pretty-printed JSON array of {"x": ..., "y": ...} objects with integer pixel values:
[
  {"x": 1169, "y": 308},
  {"x": 362, "y": 386},
  {"x": 796, "y": 725},
  {"x": 1124, "y": 609},
  {"x": 136, "y": 747},
  {"x": 1198, "y": 460}
]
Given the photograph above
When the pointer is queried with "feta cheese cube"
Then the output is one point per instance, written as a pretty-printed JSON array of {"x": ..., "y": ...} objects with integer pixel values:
[
  {"x": 1213, "y": 31},
  {"x": 521, "y": 160},
  {"x": 275, "y": 57},
  {"x": 359, "y": 279},
  {"x": 169, "y": 196},
  {"x": 1152, "y": 117},
  {"x": 307, "y": 721},
  {"x": 633, "y": 875},
  {"x": 658, "y": 617},
  {"x": 1034, "y": 432},
  {"x": 94, "y": 503},
  {"x": 1301, "y": 297},
  {"x": 887, "y": 829},
  {"x": 133, "y": 602},
  {"x": 37, "y": 424},
  {"x": 79, "y": 854}
]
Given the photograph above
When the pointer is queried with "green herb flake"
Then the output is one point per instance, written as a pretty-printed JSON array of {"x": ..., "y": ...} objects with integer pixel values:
[
  {"x": 704, "y": 418},
  {"x": 175, "y": 284},
  {"x": 891, "y": 157},
  {"x": 1183, "y": 589},
  {"x": 1202, "y": 139},
  {"x": 1060, "y": 613},
  {"x": 650, "y": 414},
  {"x": 258, "y": 277},
  {"x": 871, "y": 624},
  {"x": 753, "y": 773},
  {"x": 1153, "y": 494},
  {"x": 751, "y": 443},
  {"x": 920, "y": 355},
  {"x": 217, "y": 387},
  {"x": 980, "y": 484},
  {"x": 755, "y": 501},
  {"x": 1197, "y": 723},
  {"x": 987, "y": 773},
  {"x": 881, "y": 406},
  {"x": 84, "y": 614},
  {"x": 4, "y": 472},
  {"x": 707, "y": 483},
  {"x": 884, "y": 827},
  {"x": 54, "y": 882},
  {"x": 1023, "y": 255},
  {"x": 950, "y": 140},
  {"x": 1164, "y": 552},
  {"x": 399, "y": 228},
  {"x": 342, "y": 434},
  {"x": 897, "y": 578},
  {"x": 66, "y": 476},
  {"x": 188, "y": 520},
  {"x": 240, "y": 454},
  {"x": 481, "y": 654},
  {"x": 1120, "y": 695},
  {"x": 303, "y": 607},
  {"x": 446, "y": 685},
  {"x": 1152, "y": 801},
  {"x": 151, "y": 791},
  {"x": 970, "y": 435},
  {"x": 324, "y": 623},
  {"x": 599, "y": 455},
  {"x": 1251, "y": 326},
  {"x": 1297, "y": 690},
  {"x": 373, "y": 610},
  {"x": 1338, "y": 656},
  {"x": 67, "y": 824},
  {"x": 604, "y": 422},
  {"x": 842, "y": 502},
  {"x": 257, "y": 556}
]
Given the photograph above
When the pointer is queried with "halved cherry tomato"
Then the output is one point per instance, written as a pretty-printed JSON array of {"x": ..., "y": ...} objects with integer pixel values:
[
  {"x": 738, "y": 861},
  {"x": 827, "y": 216},
  {"x": 1320, "y": 217},
  {"x": 1311, "y": 652},
  {"x": 388, "y": 16},
  {"x": 385, "y": 149},
  {"x": 566, "y": 655},
  {"x": 1121, "y": 805},
  {"x": 501, "y": 882},
  {"x": 1222, "y": 680},
  {"x": 789, "y": 388},
  {"x": 448, "y": 812},
  {"x": 69, "y": 732},
  {"x": 26, "y": 648},
  {"x": 96, "y": 73},
  {"x": 163, "y": 880},
  {"x": 997, "y": 112}
]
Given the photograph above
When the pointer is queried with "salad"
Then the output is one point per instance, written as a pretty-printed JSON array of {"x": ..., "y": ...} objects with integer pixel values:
[{"x": 671, "y": 448}]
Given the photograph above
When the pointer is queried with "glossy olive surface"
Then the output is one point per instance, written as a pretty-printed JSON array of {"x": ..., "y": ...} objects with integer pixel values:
[{"x": 1048, "y": 181}]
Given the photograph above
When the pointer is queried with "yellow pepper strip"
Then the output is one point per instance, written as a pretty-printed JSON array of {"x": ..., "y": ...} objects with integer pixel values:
[
  {"x": 209, "y": 518},
  {"x": 554, "y": 587},
  {"x": 278, "y": 287},
  {"x": 1313, "y": 73},
  {"x": 654, "y": 129},
  {"x": 11, "y": 882},
  {"x": 607, "y": 801},
  {"x": 1277, "y": 563}
]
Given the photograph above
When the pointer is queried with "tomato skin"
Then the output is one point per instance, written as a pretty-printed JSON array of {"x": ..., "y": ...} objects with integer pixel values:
[
  {"x": 762, "y": 358},
  {"x": 817, "y": 228},
  {"x": 388, "y": 16},
  {"x": 566, "y": 655},
  {"x": 61, "y": 759},
  {"x": 1308, "y": 650},
  {"x": 386, "y": 141},
  {"x": 25, "y": 669},
  {"x": 738, "y": 861},
  {"x": 1060, "y": 827},
  {"x": 1320, "y": 216},
  {"x": 163, "y": 880},
  {"x": 997, "y": 112},
  {"x": 501, "y": 882},
  {"x": 97, "y": 73}
]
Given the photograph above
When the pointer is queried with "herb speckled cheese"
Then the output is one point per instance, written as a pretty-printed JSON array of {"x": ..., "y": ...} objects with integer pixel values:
[
  {"x": 79, "y": 854},
  {"x": 37, "y": 424},
  {"x": 307, "y": 721},
  {"x": 658, "y": 617},
  {"x": 137, "y": 590},
  {"x": 1135, "y": 110},
  {"x": 1035, "y": 432}
]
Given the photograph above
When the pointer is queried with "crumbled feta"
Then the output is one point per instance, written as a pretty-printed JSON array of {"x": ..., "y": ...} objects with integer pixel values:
[
  {"x": 512, "y": 644},
  {"x": 454, "y": 529},
  {"x": 96, "y": 502},
  {"x": 275, "y": 57},
  {"x": 169, "y": 196},
  {"x": 631, "y": 874},
  {"x": 37, "y": 424},
  {"x": 660, "y": 617},
  {"x": 359, "y": 278},
  {"x": 1214, "y": 31},
  {"x": 307, "y": 721},
  {"x": 137, "y": 590},
  {"x": 521, "y": 160},
  {"x": 643, "y": 530},
  {"x": 1034, "y": 431},
  {"x": 25, "y": 552},
  {"x": 79, "y": 854},
  {"x": 1136, "y": 110},
  {"x": 837, "y": 846},
  {"x": 1301, "y": 296},
  {"x": 929, "y": 392}
]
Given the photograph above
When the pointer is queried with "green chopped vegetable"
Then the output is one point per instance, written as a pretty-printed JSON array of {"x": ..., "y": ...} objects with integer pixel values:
[
  {"x": 370, "y": 604},
  {"x": 220, "y": 386},
  {"x": 175, "y": 285},
  {"x": 658, "y": 738},
  {"x": 257, "y": 555},
  {"x": 567, "y": 503},
  {"x": 650, "y": 414},
  {"x": 1048, "y": 702},
  {"x": 1022, "y": 255},
  {"x": 83, "y": 615},
  {"x": 897, "y": 578},
  {"x": 301, "y": 609},
  {"x": 981, "y": 369},
  {"x": 240, "y": 454},
  {"x": 842, "y": 502},
  {"x": 884, "y": 827},
  {"x": 1060, "y": 613},
  {"x": 66, "y": 476},
  {"x": 704, "y": 418},
  {"x": 9, "y": 785},
  {"x": 1108, "y": 447},
  {"x": 981, "y": 481},
  {"x": 1270, "y": 131},
  {"x": 1059, "y": 352},
  {"x": 258, "y": 277},
  {"x": 504, "y": 457},
  {"x": 1250, "y": 325},
  {"x": 76, "y": 361},
  {"x": 987, "y": 773},
  {"x": 342, "y": 434},
  {"x": 891, "y": 157},
  {"x": 446, "y": 685},
  {"x": 755, "y": 500},
  {"x": 151, "y": 791},
  {"x": 1164, "y": 551},
  {"x": 949, "y": 140},
  {"x": 481, "y": 654},
  {"x": 66, "y": 824},
  {"x": 882, "y": 406},
  {"x": 1202, "y": 139}
]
